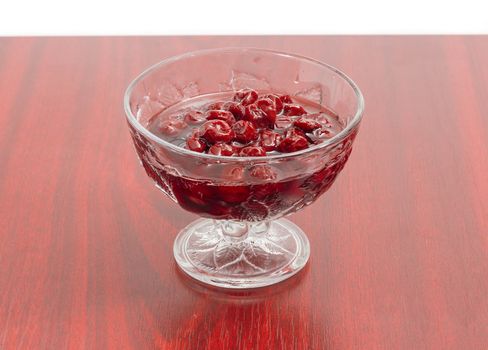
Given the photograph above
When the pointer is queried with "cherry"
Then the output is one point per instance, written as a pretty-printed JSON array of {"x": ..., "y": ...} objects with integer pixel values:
[
  {"x": 246, "y": 96},
  {"x": 292, "y": 132},
  {"x": 217, "y": 131},
  {"x": 263, "y": 172},
  {"x": 269, "y": 140},
  {"x": 236, "y": 109},
  {"x": 226, "y": 116},
  {"x": 293, "y": 109},
  {"x": 292, "y": 142},
  {"x": 252, "y": 151},
  {"x": 194, "y": 117},
  {"x": 286, "y": 99},
  {"x": 233, "y": 194},
  {"x": 172, "y": 127},
  {"x": 245, "y": 131},
  {"x": 199, "y": 197},
  {"x": 269, "y": 108},
  {"x": 268, "y": 193},
  {"x": 307, "y": 124},
  {"x": 233, "y": 173},
  {"x": 257, "y": 116},
  {"x": 192, "y": 194},
  {"x": 196, "y": 144},
  {"x": 221, "y": 149},
  {"x": 278, "y": 104}
]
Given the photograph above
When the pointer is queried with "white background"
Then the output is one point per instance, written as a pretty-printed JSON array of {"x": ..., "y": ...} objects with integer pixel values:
[{"x": 139, "y": 17}]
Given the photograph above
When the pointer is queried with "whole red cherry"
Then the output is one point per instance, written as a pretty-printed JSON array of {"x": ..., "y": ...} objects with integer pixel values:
[
  {"x": 196, "y": 144},
  {"x": 252, "y": 151},
  {"x": 221, "y": 149},
  {"x": 278, "y": 104},
  {"x": 292, "y": 142},
  {"x": 233, "y": 194},
  {"x": 307, "y": 124},
  {"x": 269, "y": 108},
  {"x": 293, "y": 109},
  {"x": 244, "y": 131},
  {"x": 215, "y": 114},
  {"x": 262, "y": 172},
  {"x": 269, "y": 140},
  {"x": 246, "y": 96},
  {"x": 286, "y": 99},
  {"x": 217, "y": 131},
  {"x": 258, "y": 117},
  {"x": 236, "y": 109}
]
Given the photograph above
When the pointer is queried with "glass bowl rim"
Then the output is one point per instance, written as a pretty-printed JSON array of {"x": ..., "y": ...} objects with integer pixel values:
[{"x": 332, "y": 141}]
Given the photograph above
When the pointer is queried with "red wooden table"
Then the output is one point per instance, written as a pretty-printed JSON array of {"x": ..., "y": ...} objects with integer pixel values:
[{"x": 399, "y": 244}]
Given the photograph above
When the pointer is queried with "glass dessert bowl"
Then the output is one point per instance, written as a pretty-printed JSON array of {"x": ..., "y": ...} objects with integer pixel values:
[{"x": 242, "y": 137}]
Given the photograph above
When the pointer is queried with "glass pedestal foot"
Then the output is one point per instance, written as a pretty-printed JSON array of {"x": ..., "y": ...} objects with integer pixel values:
[{"x": 241, "y": 255}]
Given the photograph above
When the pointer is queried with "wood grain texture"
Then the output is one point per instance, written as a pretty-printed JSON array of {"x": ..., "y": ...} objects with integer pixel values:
[{"x": 399, "y": 244}]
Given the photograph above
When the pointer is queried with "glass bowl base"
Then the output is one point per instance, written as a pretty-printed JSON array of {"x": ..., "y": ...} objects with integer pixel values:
[{"x": 239, "y": 255}]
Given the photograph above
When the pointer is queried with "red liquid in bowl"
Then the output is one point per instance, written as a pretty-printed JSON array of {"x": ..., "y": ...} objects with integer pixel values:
[{"x": 241, "y": 126}]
